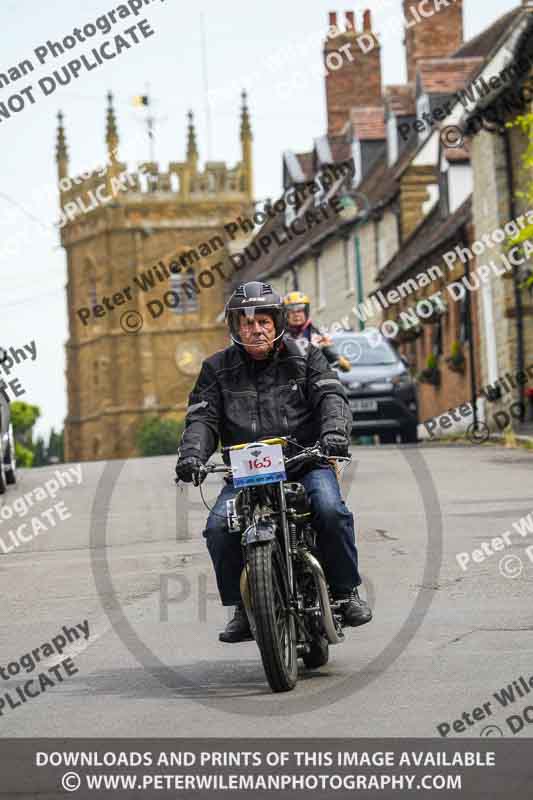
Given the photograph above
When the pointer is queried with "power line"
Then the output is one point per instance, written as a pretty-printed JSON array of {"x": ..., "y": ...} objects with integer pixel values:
[
  {"x": 32, "y": 299},
  {"x": 13, "y": 202}
]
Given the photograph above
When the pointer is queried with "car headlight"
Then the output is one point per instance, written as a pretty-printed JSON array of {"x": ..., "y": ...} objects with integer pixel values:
[{"x": 401, "y": 380}]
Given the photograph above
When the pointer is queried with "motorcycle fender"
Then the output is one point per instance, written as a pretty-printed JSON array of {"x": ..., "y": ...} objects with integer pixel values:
[{"x": 260, "y": 532}]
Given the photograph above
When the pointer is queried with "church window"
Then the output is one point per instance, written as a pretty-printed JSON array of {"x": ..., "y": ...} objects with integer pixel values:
[{"x": 184, "y": 285}]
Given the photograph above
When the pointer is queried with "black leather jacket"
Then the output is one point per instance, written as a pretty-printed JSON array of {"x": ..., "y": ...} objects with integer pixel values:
[
  {"x": 304, "y": 336},
  {"x": 237, "y": 400}
]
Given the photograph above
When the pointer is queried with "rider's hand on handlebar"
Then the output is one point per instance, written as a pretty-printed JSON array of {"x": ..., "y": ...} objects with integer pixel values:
[
  {"x": 344, "y": 364},
  {"x": 335, "y": 444},
  {"x": 191, "y": 470}
]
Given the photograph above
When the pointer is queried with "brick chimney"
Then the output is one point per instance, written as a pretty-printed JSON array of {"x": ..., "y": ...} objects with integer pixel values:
[
  {"x": 437, "y": 36},
  {"x": 353, "y": 69}
]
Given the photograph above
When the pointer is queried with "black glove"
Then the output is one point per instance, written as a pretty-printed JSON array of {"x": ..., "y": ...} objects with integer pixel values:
[
  {"x": 335, "y": 444},
  {"x": 190, "y": 470}
]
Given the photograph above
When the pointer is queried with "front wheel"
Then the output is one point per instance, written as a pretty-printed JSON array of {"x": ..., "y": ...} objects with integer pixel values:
[{"x": 275, "y": 630}]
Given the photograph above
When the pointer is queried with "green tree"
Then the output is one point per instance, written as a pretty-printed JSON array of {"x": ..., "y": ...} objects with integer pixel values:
[
  {"x": 159, "y": 437},
  {"x": 23, "y": 417},
  {"x": 23, "y": 455},
  {"x": 39, "y": 452},
  {"x": 54, "y": 453}
]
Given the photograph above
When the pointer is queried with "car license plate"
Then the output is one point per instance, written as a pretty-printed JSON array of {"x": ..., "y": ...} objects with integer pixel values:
[
  {"x": 257, "y": 463},
  {"x": 364, "y": 405}
]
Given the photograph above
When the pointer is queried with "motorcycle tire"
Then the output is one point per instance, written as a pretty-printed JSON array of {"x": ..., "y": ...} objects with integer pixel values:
[
  {"x": 318, "y": 654},
  {"x": 275, "y": 630},
  {"x": 10, "y": 464}
]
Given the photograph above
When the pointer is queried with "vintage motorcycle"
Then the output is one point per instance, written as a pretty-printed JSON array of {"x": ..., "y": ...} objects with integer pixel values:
[{"x": 283, "y": 586}]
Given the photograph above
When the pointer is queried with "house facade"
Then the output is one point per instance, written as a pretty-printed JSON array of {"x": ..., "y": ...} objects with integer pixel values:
[{"x": 428, "y": 184}]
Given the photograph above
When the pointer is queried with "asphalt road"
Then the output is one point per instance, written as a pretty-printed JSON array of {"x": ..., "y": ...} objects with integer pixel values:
[{"x": 442, "y": 641}]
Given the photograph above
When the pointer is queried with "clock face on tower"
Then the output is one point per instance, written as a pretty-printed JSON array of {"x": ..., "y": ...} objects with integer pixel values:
[{"x": 189, "y": 358}]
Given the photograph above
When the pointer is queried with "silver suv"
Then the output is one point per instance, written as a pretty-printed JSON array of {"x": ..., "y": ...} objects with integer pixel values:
[{"x": 8, "y": 467}]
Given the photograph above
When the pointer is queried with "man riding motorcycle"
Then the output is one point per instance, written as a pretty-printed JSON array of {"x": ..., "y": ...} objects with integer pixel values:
[
  {"x": 263, "y": 386},
  {"x": 302, "y": 330}
]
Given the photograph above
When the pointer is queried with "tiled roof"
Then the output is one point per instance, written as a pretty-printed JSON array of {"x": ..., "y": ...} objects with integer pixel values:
[
  {"x": 446, "y": 75},
  {"x": 400, "y": 99},
  {"x": 431, "y": 234},
  {"x": 368, "y": 122},
  {"x": 484, "y": 43}
]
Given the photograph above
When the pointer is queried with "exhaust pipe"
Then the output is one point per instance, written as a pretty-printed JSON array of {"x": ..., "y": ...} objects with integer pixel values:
[{"x": 332, "y": 634}]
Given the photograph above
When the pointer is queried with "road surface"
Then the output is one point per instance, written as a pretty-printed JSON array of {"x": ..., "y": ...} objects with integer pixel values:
[{"x": 442, "y": 642}]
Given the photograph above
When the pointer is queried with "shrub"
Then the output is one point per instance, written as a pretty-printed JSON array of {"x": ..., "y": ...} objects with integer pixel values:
[
  {"x": 23, "y": 455},
  {"x": 159, "y": 437}
]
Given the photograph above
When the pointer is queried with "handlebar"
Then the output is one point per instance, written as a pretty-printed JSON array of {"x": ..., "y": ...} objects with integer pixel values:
[{"x": 310, "y": 453}]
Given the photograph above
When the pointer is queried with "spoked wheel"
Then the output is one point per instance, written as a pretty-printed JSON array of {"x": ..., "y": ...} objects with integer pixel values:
[{"x": 275, "y": 629}]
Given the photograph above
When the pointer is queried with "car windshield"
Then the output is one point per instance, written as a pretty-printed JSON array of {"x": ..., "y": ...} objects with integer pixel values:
[{"x": 363, "y": 351}]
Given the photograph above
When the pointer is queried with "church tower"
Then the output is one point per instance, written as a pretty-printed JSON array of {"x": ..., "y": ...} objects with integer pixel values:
[{"x": 147, "y": 263}]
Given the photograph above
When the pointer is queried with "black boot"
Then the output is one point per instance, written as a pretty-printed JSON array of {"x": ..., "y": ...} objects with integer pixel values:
[
  {"x": 237, "y": 629},
  {"x": 353, "y": 609}
]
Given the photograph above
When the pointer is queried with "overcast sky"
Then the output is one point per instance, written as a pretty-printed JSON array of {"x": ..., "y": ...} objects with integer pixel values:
[{"x": 244, "y": 42}]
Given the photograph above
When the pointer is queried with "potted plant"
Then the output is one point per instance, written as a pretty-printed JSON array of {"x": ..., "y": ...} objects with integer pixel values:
[
  {"x": 431, "y": 374},
  {"x": 456, "y": 360},
  {"x": 439, "y": 309},
  {"x": 407, "y": 333}
]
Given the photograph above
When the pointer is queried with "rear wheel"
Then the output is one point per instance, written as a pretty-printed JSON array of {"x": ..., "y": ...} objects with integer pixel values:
[{"x": 275, "y": 631}]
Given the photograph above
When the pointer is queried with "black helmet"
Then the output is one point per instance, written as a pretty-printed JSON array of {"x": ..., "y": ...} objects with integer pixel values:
[{"x": 249, "y": 299}]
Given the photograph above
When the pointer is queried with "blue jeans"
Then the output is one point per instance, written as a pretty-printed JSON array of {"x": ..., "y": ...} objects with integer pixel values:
[{"x": 331, "y": 519}]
